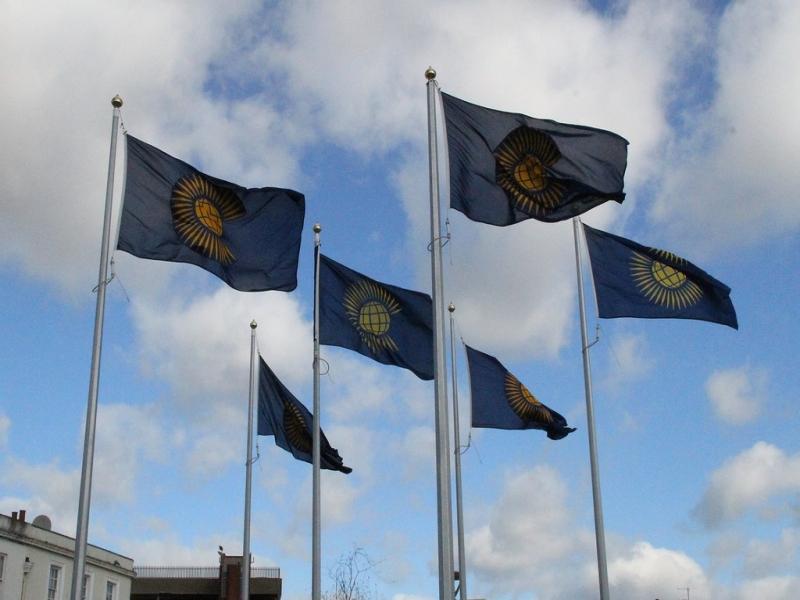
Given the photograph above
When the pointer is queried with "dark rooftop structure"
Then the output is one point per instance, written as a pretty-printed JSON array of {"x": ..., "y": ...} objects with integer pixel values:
[{"x": 205, "y": 583}]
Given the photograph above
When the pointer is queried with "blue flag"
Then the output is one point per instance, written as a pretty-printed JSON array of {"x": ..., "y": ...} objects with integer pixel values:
[
  {"x": 631, "y": 280},
  {"x": 507, "y": 167},
  {"x": 249, "y": 238},
  {"x": 391, "y": 325},
  {"x": 282, "y": 415},
  {"x": 500, "y": 401}
]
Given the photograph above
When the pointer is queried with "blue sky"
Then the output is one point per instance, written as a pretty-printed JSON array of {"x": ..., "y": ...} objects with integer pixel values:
[{"x": 697, "y": 423}]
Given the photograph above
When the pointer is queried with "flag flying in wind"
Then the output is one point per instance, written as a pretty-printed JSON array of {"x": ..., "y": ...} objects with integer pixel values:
[
  {"x": 282, "y": 415},
  {"x": 631, "y": 280},
  {"x": 507, "y": 167},
  {"x": 500, "y": 401},
  {"x": 388, "y": 324},
  {"x": 250, "y": 238}
]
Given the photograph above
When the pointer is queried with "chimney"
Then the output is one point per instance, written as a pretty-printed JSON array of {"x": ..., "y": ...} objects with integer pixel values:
[
  {"x": 14, "y": 516},
  {"x": 22, "y": 515}
]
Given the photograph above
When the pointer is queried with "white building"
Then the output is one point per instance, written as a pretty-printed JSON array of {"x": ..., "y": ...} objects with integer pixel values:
[{"x": 36, "y": 564}]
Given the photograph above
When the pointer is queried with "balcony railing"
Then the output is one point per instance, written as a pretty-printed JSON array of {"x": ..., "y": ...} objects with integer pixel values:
[{"x": 200, "y": 572}]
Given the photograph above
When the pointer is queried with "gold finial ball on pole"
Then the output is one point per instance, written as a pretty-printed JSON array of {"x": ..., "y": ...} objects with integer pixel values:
[
  {"x": 116, "y": 101},
  {"x": 430, "y": 73},
  {"x": 253, "y": 324},
  {"x": 451, "y": 307},
  {"x": 317, "y": 227}
]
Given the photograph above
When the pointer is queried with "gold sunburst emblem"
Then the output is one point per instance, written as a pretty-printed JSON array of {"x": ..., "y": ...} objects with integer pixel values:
[
  {"x": 295, "y": 427},
  {"x": 370, "y": 308},
  {"x": 662, "y": 284},
  {"x": 199, "y": 210},
  {"x": 521, "y": 162},
  {"x": 523, "y": 403}
]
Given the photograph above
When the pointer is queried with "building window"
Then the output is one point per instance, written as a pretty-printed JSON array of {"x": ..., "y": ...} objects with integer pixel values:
[
  {"x": 2, "y": 565},
  {"x": 53, "y": 582},
  {"x": 86, "y": 589},
  {"x": 111, "y": 590}
]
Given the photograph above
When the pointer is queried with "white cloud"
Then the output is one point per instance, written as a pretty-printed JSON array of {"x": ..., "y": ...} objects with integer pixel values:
[
  {"x": 52, "y": 491},
  {"x": 748, "y": 481},
  {"x": 416, "y": 451},
  {"x": 630, "y": 359},
  {"x": 126, "y": 436},
  {"x": 503, "y": 554},
  {"x": 785, "y": 587},
  {"x": 737, "y": 395},
  {"x": 730, "y": 181},
  {"x": 202, "y": 346},
  {"x": 648, "y": 572},
  {"x": 62, "y": 65},
  {"x": 770, "y": 557},
  {"x": 5, "y": 427}
]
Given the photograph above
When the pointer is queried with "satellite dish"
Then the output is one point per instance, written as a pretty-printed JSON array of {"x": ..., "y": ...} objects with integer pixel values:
[{"x": 43, "y": 522}]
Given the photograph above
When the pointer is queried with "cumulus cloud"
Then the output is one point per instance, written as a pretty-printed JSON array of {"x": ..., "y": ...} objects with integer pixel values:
[
  {"x": 729, "y": 178},
  {"x": 531, "y": 540},
  {"x": 784, "y": 587},
  {"x": 645, "y": 571},
  {"x": 125, "y": 438},
  {"x": 532, "y": 506},
  {"x": 748, "y": 481},
  {"x": 765, "y": 558},
  {"x": 202, "y": 346},
  {"x": 737, "y": 395}
]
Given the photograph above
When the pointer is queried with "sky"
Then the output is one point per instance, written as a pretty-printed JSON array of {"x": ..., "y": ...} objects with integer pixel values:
[{"x": 696, "y": 423}]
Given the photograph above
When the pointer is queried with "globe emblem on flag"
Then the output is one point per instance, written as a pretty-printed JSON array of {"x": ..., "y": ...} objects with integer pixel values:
[
  {"x": 374, "y": 317},
  {"x": 369, "y": 308},
  {"x": 661, "y": 283},
  {"x": 521, "y": 162},
  {"x": 208, "y": 215},
  {"x": 667, "y": 276},
  {"x": 199, "y": 211},
  {"x": 524, "y": 404},
  {"x": 295, "y": 427}
]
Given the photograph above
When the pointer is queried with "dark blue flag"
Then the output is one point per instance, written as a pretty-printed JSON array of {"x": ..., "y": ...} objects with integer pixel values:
[
  {"x": 282, "y": 415},
  {"x": 386, "y": 323},
  {"x": 250, "y": 238},
  {"x": 631, "y": 280},
  {"x": 507, "y": 167},
  {"x": 500, "y": 401}
]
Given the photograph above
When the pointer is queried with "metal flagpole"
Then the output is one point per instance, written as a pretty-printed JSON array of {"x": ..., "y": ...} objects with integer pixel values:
[
  {"x": 599, "y": 531},
  {"x": 82, "y": 527},
  {"x": 462, "y": 563},
  {"x": 315, "y": 510},
  {"x": 444, "y": 508},
  {"x": 249, "y": 466}
]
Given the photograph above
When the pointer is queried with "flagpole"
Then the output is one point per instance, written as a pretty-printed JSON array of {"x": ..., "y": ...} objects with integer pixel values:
[
  {"x": 249, "y": 466},
  {"x": 84, "y": 501},
  {"x": 462, "y": 551},
  {"x": 315, "y": 517},
  {"x": 444, "y": 508},
  {"x": 599, "y": 530}
]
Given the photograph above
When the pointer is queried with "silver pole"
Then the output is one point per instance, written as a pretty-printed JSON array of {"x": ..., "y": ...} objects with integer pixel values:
[
  {"x": 84, "y": 501},
  {"x": 315, "y": 517},
  {"x": 249, "y": 466},
  {"x": 462, "y": 551},
  {"x": 599, "y": 531},
  {"x": 444, "y": 508}
]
